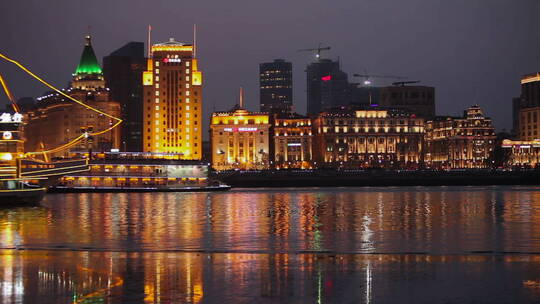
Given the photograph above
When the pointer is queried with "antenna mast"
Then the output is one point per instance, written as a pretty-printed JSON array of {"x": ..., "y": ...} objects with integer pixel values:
[
  {"x": 241, "y": 98},
  {"x": 194, "y": 40},
  {"x": 149, "y": 41}
]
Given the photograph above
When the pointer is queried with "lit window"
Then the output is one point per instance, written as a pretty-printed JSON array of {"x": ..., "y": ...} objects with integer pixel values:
[
  {"x": 157, "y": 122},
  {"x": 157, "y": 100},
  {"x": 157, "y": 108},
  {"x": 187, "y": 63},
  {"x": 187, "y": 100},
  {"x": 187, "y": 93},
  {"x": 157, "y": 63},
  {"x": 157, "y": 115},
  {"x": 157, "y": 137},
  {"x": 187, "y": 137},
  {"x": 157, "y": 129},
  {"x": 157, "y": 85},
  {"x": 187, "y": 85},
  {"x": 187, "y": 122},
  {"x": 187, "y": 78},
  {"x": 187, "y": 108},
  {"x": 187, "y": 115},
  {"x": 157, "y": 93},
  {"x": 187, "y": 130},
  {"x": 157, "y": 78},
  {"x": 157, "y": 71}
]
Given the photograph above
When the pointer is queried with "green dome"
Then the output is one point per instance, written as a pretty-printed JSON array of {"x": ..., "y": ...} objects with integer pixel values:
[{"x": 88, "y": 63}]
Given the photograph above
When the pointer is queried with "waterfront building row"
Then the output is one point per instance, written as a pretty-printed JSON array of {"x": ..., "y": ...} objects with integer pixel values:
[{"x": 346, "y": 137}]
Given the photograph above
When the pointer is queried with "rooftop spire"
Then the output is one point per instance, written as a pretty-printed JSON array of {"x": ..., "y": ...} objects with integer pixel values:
[
  {"x": 88, "y": 63},
  {"x": 241, "y": 103}
]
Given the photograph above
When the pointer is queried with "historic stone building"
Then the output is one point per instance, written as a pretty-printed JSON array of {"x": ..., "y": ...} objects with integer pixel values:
[
  {"x": 460, "y": 142},
  {"x": 367, "y": 138},
  {"x": 522, "y": 153},
  {"x": 240, "y": 140},
  {"x": 292, "y": 141},
  {"x": 56, "y": 120}
]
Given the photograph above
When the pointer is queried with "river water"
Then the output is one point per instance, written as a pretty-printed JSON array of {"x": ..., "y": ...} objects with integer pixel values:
[{"x": 308, "y": 245}]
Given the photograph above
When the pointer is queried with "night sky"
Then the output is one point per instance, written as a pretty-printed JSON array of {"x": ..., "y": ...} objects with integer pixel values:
[{"x": 472, "y": 51}]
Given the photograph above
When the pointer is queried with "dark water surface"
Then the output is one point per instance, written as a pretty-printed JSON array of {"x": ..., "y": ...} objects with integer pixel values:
[{"x": 337, "y": 245}]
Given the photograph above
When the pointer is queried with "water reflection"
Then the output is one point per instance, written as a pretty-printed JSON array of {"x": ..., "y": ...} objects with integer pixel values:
[
  {"x": 433, "y": 220},
  {"x": 371, "y": 245},
  {"x": 105, "y": 277}
]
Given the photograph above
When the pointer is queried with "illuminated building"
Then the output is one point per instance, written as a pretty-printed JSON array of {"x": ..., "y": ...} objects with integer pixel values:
[
  {"x": 140, "y": 171},
  {"x": 419, "y": 100},
  {"x": 369, "y": 137},
  {"x": 57, "y": 120},
  {"x": 327, "y": 86},
  {"x": 240, "y": 139},
  {"x": 529, "y": 108},
  {"x": 292, "y": 141},
  {"x": 522, "y": 153},
  {"x": 275, "y": 83},
  {"x": 172, "y": 90},
  {"x": 11, "y": 138},
  {"x": 460, "y": 142},
  {"x": 123, "y": 71}
]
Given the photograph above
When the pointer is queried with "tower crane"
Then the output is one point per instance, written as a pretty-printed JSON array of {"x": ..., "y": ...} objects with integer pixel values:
[
  {"x": 403, "y": 83},
  {"x": 318, "y": 50}
]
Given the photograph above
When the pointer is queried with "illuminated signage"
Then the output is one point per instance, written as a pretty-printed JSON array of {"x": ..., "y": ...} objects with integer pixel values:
[
  {"x": 166, "y": 60},
  {"x": 247, "y": 129},
  {"x": 7, "y": 135},
  {"x": 326, "y": 78},
  {"x": 294, "y": 144},
  {"x": 243, "y": 129},
  {"x": 7, "y": 117}
]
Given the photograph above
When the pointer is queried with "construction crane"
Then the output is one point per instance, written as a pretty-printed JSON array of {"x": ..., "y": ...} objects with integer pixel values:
[
  {"x": 318, "y": 50},
  {"x": 403, "y": 83},
  {"x": 367, "y": 76}
]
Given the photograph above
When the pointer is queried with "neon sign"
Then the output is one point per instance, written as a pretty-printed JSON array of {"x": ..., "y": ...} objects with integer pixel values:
[
  {"x": 243, "y": 129},
  {"x": 7, "y": 135},
  {"x": 247, "y": 129},
  {"x": 7, "y": 117},
  {"x": 326, "y": 78},
  {"x": 294, "y": 144},
  {"x": 166, "y": 60}
]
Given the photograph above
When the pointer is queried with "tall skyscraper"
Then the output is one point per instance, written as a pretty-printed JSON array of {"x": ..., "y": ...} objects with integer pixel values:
[
  {"x": 529, "y": 108},
  {"x": 275, "y": 82},
  {"x": 327, "y": 86},
  {"x": 173, "y": 101},
  {"x": 418, "y": 100},
  {"x": 123, "y": 71}
]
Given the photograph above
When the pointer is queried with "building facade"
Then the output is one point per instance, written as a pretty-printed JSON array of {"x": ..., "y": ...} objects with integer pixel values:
[
  {"x": 522, "y": 153},
  {"x": 460, "y": 142},
  {"x": 367, "y": 138},
  {"x": 327, "y": 86},
  {"x": 418, "y": 100},
  {"x": 240, "y": 140},
  {"x": 528, "y": 108},
  {"x": 56, "y": 120},
  {"x": 291, "y": 142},
  {"x": 123, "y": 71},
  {"x": 275, "y": 83},
  {"x": 172, "y": 111}
]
